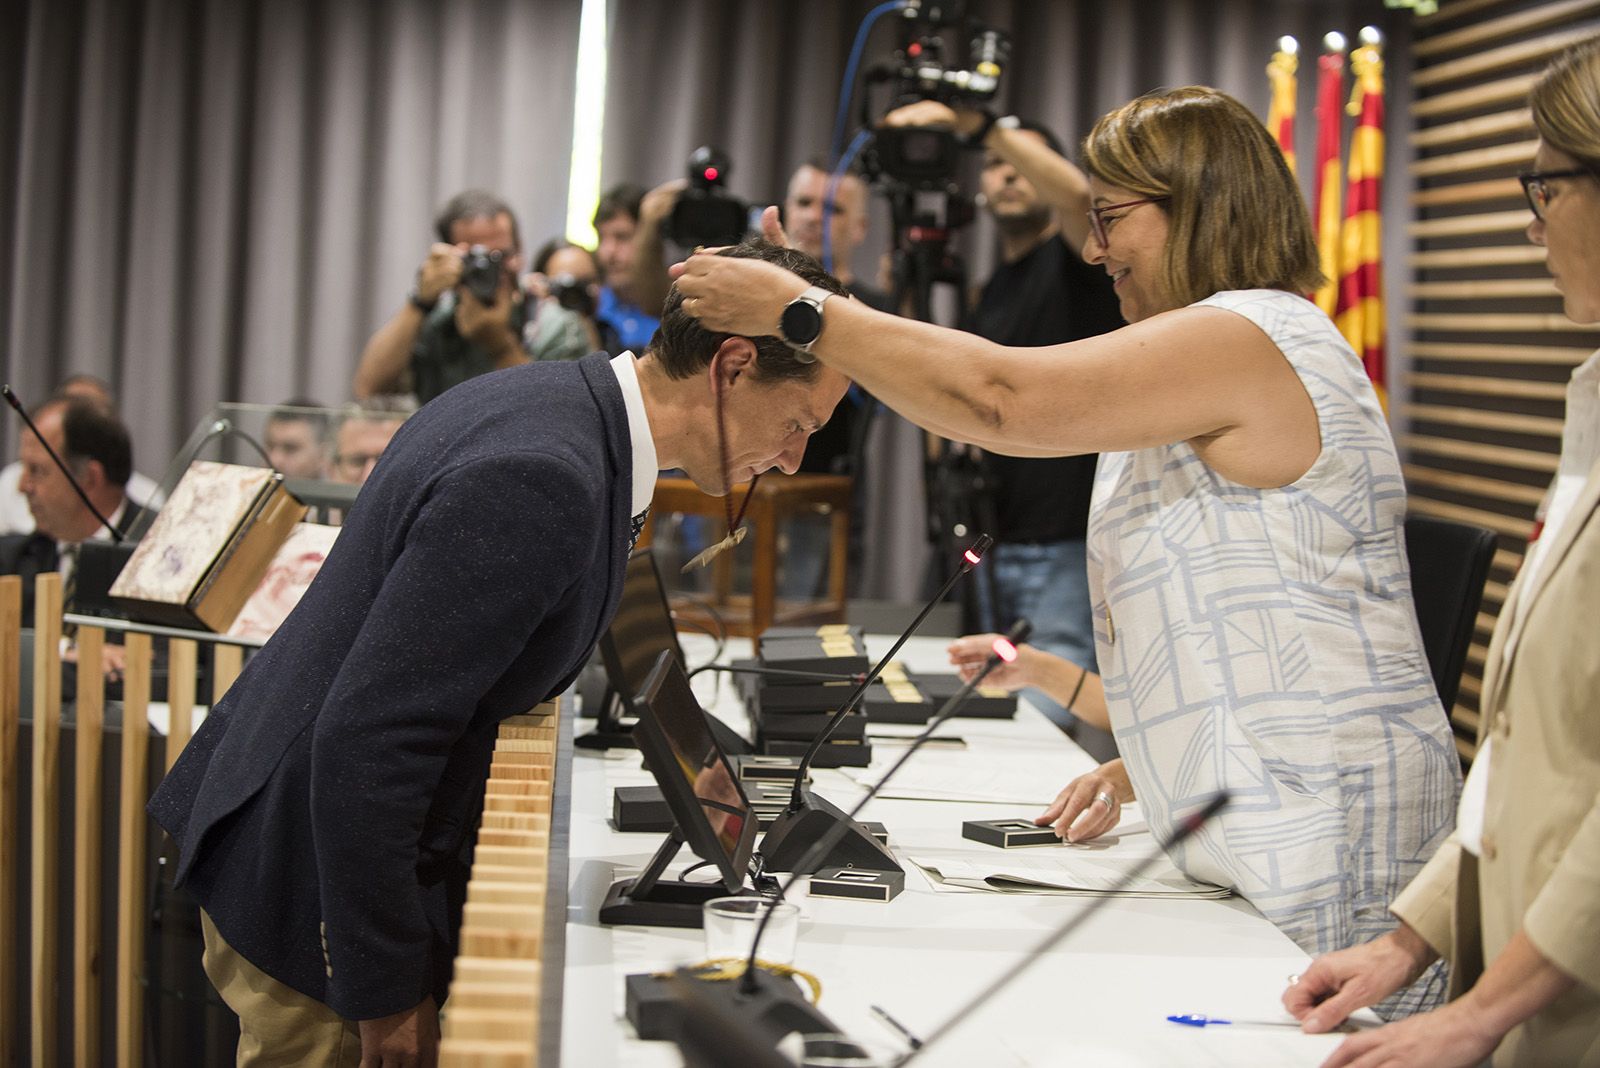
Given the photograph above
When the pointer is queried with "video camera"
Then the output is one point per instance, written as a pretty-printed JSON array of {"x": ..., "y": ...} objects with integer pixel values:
[
  {"x": 705, "y": 214},
  {"x": 480, "y": 273},
  {"x": 924, "y": 157}
]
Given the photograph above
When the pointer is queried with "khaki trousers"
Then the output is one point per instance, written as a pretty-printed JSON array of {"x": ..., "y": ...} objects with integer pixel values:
[{"x": 277, "y": 1025}]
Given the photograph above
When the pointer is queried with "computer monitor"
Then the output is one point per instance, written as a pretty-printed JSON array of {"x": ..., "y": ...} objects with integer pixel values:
[
  {"x": 701, "y": 790},
  {"x": 640, "y": 631}
]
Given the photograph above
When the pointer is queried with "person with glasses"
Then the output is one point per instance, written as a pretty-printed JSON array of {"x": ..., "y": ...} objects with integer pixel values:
[
  {"x": 1513, "y": 898},
  {"x": 364, "y": 433},
  {"x": 1254, "y": 627}
]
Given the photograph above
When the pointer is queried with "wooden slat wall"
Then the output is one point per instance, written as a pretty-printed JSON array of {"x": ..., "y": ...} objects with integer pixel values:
[{"x": 1491, "y": 350}]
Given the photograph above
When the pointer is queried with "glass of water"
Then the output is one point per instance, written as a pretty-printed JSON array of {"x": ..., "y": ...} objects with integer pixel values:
[{"x": 731, "y": 923}]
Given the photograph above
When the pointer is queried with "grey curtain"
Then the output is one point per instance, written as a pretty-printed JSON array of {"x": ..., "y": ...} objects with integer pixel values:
[{"x": 206, "y": 200}]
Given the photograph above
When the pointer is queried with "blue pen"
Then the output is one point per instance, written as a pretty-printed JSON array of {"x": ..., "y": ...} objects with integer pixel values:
[{"x": 1195, "y": 1019}]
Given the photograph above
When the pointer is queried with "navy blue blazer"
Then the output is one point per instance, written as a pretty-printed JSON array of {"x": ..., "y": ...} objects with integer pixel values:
[{"x": 325, "y": 811}]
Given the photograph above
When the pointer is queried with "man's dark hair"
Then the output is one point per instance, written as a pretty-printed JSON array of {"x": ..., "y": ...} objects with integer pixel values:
[
  {"x": 685, "y": 348},
  {"x": 1045, "y": 132},
  {"x": 623, "y": 199},
  {"x": 473, "y": 204},
  {"x": 820, "y": 163},
  {"x": 90, "y": 432},
  {"x": 290, "y": 412},
  {"x": 554, "y": 245}
]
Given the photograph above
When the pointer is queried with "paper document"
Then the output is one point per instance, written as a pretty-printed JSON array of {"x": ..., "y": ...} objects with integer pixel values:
[{"x": 1063, "y": 871}]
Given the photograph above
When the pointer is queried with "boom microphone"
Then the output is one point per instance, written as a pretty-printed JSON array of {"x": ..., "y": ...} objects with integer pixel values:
[{"x": 809, "y": 816}]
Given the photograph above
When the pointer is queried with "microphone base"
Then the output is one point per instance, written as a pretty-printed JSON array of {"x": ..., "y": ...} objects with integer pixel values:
[
  {"x": 793, "y": 833},
  {"x": 669, "y": 1008}
]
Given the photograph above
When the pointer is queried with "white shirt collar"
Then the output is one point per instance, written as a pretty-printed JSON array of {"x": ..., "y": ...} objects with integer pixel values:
[{"x": 644, "y": 446}]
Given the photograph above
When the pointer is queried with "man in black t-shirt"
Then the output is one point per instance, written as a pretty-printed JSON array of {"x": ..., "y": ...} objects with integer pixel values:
[{"x": 1042, "y": 294}]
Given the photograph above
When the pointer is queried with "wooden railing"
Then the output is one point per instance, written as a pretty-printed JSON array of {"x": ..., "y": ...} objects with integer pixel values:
[{"x": 504, "y": 1004}]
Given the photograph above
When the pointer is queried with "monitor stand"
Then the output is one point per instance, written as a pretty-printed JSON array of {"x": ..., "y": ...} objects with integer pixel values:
[
  {"x": 610, "y": 732},
  {"x": 651, "y": 901}
]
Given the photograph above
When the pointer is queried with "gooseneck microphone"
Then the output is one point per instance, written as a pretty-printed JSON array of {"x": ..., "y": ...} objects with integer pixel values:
[
  {"x": 11, "y": 399},
  {"x": 1004, "y": 651},
  {"x": 808, "y": 816},
  {"x": 1191, "y": 823},
  {"x": 779, "y": 673}
]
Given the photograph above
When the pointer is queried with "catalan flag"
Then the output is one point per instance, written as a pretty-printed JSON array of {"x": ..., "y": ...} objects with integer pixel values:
[
  {"x": 1360, "y": 306},
  {"x": 1326, "y": 180},
  {"x": 1280, "y": 113}
]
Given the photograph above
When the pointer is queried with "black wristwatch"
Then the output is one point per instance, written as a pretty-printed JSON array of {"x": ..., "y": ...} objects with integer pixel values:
[
  {"x": 423, "y": 306},
  {"x": 801, "y": 322}
]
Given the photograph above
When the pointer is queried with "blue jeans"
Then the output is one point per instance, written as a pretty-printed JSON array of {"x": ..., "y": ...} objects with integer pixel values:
[{"x": 1048, "y": 583}]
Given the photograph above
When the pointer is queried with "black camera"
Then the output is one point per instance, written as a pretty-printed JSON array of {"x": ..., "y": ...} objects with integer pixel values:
[
  {"x": 480, "y": 272},
  {"x": 572, "y": 293},
  {"x": 926, "y": 157},
  {"x": 705, "y": 214}
]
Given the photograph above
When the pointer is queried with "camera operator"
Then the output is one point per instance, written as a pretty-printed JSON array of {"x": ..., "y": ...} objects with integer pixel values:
[
  {"x": 1043, "y": 293},
  {"x": 464, "y": 316},
  {"x": 565, "y": 287}
]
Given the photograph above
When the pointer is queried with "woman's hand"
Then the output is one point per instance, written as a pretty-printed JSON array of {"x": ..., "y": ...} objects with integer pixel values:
[
  {"x": 1091, "y": 804},
  {"x": 1339, "y": 983},
  {"x": 968, "y": 653},
  {"x": 1452, "y": 1036},
  {"x": 736, "y": 296}
]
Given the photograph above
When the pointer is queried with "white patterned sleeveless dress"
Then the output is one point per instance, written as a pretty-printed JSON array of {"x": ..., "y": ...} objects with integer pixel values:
[{"x": 1265, "y": 641}]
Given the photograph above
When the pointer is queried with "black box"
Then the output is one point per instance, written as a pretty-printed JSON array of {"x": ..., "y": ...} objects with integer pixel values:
[
  {"x": 776, "y": 695},
  {"x": 826, "y": 630},
  {"x": 844, "y": 656},
  {"x": 1009, "y": 834},
  {"x": 833, "y": 754},
  {"x": 986, "y": 703},
  {"x": 857, "y": 884},
  {"x": 804, "y": 726},
  {"x": 640, "y": 808}
]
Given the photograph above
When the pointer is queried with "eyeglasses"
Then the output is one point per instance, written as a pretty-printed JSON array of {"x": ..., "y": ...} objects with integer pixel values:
[
  {"x": 1533, "y": 186},
  {"x": 1098, "y": 222}
]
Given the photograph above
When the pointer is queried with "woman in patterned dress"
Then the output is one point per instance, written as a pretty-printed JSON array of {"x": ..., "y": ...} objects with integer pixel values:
[{"x": 1254, "y": 623}]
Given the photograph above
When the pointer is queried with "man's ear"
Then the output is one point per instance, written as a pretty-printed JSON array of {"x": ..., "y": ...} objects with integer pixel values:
[
  {"x": 91, "y": 476},
  {"x": 734, "y": 357}
]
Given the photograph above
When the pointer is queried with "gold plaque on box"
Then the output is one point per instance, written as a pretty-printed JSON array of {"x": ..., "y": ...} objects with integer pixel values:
[{"x": 209, "y": 548}]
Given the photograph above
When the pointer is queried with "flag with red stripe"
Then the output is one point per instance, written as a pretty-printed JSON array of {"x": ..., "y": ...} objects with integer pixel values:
[
  {"x": 1325, "y": 182},
  {"x": 1360, "y": 313},
  {"x": 1280, "y": 112}
]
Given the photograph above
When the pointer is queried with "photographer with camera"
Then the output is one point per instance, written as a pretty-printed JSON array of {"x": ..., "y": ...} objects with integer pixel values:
[
  {"x": 565, "y": 287},
  {"x": 465, "y": 314}
]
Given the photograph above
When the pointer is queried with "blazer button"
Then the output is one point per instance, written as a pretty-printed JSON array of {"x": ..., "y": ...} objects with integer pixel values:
[{"x": 1488, "y": 847}]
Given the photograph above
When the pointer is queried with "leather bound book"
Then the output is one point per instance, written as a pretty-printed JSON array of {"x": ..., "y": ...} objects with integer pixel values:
[{"x": 208, "y": 550}]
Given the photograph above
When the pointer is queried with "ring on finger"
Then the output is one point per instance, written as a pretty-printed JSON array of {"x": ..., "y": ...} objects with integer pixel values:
[{"x": 1105, "y": 798}]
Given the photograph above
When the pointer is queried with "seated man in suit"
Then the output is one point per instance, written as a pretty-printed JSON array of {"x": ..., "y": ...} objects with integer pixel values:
[
  {"x": 325, "y": 812},
  {"x": 95, "y": 446}
]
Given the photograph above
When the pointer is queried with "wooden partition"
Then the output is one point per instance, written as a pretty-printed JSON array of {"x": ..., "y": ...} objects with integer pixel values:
[
  {"x": 1491, "y": 351},
  {"x": 71, "y": 913},
  {"x": 504, "y": 1005}
]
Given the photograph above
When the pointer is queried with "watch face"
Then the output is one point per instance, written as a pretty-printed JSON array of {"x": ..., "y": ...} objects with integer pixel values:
[{"x": 801, "y": 323}]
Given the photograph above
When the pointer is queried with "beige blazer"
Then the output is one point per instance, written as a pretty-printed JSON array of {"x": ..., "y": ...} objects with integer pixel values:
[{"x": 1539, "y": 867}]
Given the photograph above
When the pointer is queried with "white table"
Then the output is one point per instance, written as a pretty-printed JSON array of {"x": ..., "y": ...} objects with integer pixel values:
[{"x": 1100, "y": 999}]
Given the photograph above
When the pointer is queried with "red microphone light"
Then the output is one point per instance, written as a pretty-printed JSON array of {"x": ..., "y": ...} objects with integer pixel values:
[
  {"x": 711, "y": 174},
  {"x": 1005, "y": 650},
  {"x": 972, "y": 557}
]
